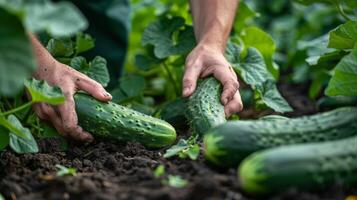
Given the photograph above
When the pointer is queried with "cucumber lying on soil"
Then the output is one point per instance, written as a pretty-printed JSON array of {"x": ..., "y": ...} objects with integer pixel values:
[
  {"x": 303, "y": 166},
  {"x": 228, "y": 144},
  {"x": 204, "y": 107},
  {"x": 113, "y": 121}
]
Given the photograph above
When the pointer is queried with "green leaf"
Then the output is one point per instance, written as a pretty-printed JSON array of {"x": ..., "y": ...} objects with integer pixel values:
[
  {"x": 65, "y": 171},
  {"x": 253, "y": 71},
  {"x": 16, "y": 59},
  {"x": 60, "y": 47},
  {"x": 344, "y": 36},
  {"x": 193, "y": 152},
  {"x": 42, "y": 92},
  {"x": 184, "y": 148},
  {"x": 1, "y": 197},
  {"x": 159, "y": 171},
  {"x": 176, "y": 181},
  {"x": 344, "y": 78},
  {"x": 21, "y": 144},
  {"x": 132, "y": 85},
  {"x": 96, "y": 70},
  {"x": 59, "y": 19},
  {"x": 257, "y": 38},
  {"x": 161, "y": 34},
  {"x": 177, "y": 148},
  {"x": 4, "y": 138},
  {"x": 244, "y": 15},
  {"x": 84, "y": 42},
  {"x": 13, "y": 128},
  {"x": 272, "y": 97}
]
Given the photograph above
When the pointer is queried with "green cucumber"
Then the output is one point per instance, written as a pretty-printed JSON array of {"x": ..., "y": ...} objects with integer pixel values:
[
  {"x": 303, "y": 166},
  {"x": 204, "y": 107},
  {"x": 228, "y": 144},
  {"x": 335, "y": 102},
  {"x": 113, "y": 121}
]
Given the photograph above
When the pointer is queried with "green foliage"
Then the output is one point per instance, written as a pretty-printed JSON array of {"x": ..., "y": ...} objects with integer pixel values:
[
  {"x": 40, "y": 91},
  {"x": 21, "y": 144},
  {"x": 167, "y": 37},
  {"x": 4, "y": 138},
  {"x": 96, "y": 69},
  {"x": 344, "y": 78},
  {"x": 159, "y": 171},
  {"x": 184, "y": 148},
  {"x": 66, "y": 171},
  {"x": 1, "y": 197},
  {"x": 253, "y": 71},
  {"x": 176, "y": 181},
  {"x": 16, "y": 60}
]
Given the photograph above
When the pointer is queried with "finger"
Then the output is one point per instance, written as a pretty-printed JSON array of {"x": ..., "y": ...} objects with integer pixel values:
[
  {"x": 69, "y": 119},
  {"x": 93, "y": 88},
  {"x": 234, "y": 106},
  {"x": 55, "y": 119},
  {"x": 38, "y": 108},
  {"x": 189, "y": 81}
]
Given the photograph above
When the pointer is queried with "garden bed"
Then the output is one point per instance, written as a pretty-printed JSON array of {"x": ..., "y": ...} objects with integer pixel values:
[{"x": 107, "y": 170}]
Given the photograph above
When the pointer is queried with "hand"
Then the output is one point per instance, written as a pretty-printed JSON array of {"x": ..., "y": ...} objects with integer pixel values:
[
  {"x": 204, "y": 61},
  {"x": 63, "y": 116}
]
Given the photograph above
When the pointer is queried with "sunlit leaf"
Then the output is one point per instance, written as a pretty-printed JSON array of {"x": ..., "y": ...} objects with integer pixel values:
[
  {"x": 344, "y": 36},
  {"x": 42, "y": 92}
]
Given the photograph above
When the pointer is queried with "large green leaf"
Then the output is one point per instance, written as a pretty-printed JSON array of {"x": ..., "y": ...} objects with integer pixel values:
[
  {"x": 168, "y": 38},
  {"x": 59, "y": 19},
  {"x": 4, "y": 137},
  {"x": 344, "y": 78},
  {"x": 16, "y": 59},
  {"x": 20, "y": 144},
  {"x": 344, "y": 36},
  {"x": 257, "y": 38},
  {"x": 253, "y": 71},
  {"x": 1, "y": 197},
  {"x": 42, "y": 92},
  {"x": 96, "y": 69}
]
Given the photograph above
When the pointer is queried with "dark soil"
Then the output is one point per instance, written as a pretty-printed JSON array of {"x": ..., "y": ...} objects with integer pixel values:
[{"x": 109, "y": 170}]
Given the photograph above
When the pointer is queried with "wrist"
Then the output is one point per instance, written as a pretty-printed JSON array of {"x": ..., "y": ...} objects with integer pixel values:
[{"x": 210, "y": 46}]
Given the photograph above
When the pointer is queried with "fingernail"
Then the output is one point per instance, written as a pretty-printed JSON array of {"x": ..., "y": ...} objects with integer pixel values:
[
  {"x": 106, "y": 94},
  {"x": 225, "y": 101},
  {"x": 186, "y": 91}
]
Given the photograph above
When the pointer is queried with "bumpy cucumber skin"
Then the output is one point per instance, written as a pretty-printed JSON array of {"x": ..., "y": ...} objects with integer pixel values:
[
  {"x": 204, "y": 107},
  {"x": 301, "y": 166},
  {"x": 113, "y": 121},
  {"x": 228, "y": 144}
]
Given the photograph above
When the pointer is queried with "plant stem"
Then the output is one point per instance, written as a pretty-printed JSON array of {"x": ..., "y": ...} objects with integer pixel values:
[
  {"x": 18, "y": 108},
  {"x": 172, "y": 79},
  {"x": 342, "y": 12}
]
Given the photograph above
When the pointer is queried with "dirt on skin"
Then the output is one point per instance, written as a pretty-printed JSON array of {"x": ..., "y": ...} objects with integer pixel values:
[{"x": 107, "y": 170}]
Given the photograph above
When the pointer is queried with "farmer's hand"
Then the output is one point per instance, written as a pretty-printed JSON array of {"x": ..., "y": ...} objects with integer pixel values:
[
  {"x": 212, "y": 22},
  {"x": 63, "y": 116},
  {"x": 204, "y": 61}
]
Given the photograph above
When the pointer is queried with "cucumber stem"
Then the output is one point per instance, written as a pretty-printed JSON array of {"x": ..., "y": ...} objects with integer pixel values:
[
  {"x": 18, "y": 108},
  {"x": 172, "y": 79}
]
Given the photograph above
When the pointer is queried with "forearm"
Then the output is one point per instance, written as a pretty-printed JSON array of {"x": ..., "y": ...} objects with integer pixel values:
[
  {"x": 213, "y": 21},
  {"x": 45, "y": 62}
]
